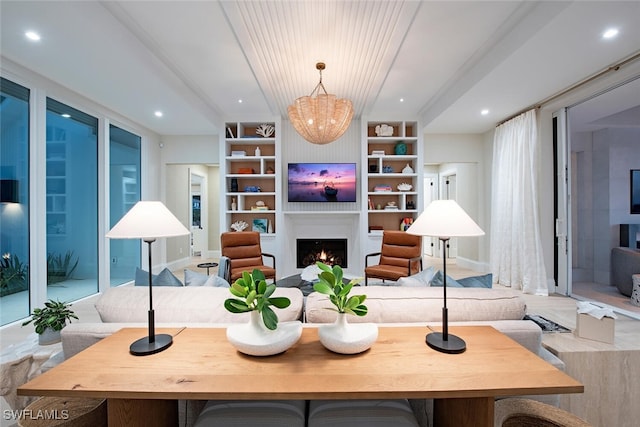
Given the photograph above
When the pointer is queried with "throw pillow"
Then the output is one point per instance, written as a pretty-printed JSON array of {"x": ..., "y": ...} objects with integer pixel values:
[
  {"x": 164, "y": 278},
  {"x": 485, "y": 281},
  {"x": 438, "y": 280},
  {"x": 192, "y": 278},
  {"x": 422, "y": 278},
  {"x": 216, "y": 281}
]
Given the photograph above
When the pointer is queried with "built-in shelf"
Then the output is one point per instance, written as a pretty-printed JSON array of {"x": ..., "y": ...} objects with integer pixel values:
[
  {"x": 391, "y": 160},
  {"x": 251, "y": 176}
]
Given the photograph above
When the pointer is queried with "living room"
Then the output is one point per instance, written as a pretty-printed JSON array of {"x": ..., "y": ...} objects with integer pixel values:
[{"x": 191, "y": 137}]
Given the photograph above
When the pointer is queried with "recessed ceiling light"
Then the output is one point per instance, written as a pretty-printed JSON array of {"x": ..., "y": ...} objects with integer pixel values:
[
  {"x": 484, "y": 112},
  {"x": 66, "y": 115},
  {"x": 32, "y": 35},
  {"x": 239, "y": 101},
  {"x": 158, "y": 114},
  {"x": 610, "y": 33},
  {"x": 401, "y": 99}
]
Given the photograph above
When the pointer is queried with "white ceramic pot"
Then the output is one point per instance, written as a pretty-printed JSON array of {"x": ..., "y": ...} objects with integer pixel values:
[
  {"x": 255, "y": 339},
  {"x": 49, "y": 336},
  {"x": 348, "y": 338}
]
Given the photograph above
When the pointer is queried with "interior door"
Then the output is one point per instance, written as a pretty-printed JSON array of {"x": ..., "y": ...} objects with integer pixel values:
[
  {"x": 197, "y": 214},
  {"x": 449, "y": 189},
  {"x": 562, "y": 203},
  {"x": 430, "y": 186}
]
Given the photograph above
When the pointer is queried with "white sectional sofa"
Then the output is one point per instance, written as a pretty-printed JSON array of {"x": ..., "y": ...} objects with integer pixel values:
[
  {"x": 190, "y": 306},
  {"x": 198, "y": 306},
  {"x": 395, "y": 305}
]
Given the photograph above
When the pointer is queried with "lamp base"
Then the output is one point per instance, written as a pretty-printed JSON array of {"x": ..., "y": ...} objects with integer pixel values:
[
  {"x": 453, "y": 345},
  {"x": 143, "y": 347}
]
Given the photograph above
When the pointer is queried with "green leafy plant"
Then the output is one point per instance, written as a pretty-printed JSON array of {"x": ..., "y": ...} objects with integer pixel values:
[
  {"x": 331, "y": 284},
  {"x": 60, "y": 268},
  {"x": 54, "y": 315},
  {"x": 12, "y": 271},
  {"x": 255, "y": 294}
]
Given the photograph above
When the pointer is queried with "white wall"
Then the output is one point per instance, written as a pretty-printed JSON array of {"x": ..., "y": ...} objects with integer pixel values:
[{"x": 466, "y": 155}]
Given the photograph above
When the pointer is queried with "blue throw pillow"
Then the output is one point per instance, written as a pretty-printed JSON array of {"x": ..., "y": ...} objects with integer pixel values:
[
  {"x": 164, "y": 278},
  {"x": 485, "y": 281},
  {"x": 438, "y": 281}
]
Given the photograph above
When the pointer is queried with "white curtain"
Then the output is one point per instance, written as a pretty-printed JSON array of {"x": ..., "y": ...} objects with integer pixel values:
[{"x": 516, "y": 250}]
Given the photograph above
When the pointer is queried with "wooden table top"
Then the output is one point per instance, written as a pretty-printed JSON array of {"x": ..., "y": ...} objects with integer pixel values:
[{"x": 201, "y": 364}]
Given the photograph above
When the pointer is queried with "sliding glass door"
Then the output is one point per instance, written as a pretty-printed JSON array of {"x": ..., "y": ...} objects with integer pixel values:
[
  {"x": 71, "y": 202},
  {"x": 14, "y": 202},
  {"x": 124, "y": 192}
]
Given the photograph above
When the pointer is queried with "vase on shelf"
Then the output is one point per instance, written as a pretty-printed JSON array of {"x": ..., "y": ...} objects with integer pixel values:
[
  {"x": 347, "y": 338},
  {"x": 254, "y": 339},
  {"x": 233, "y": 205},
  {"x": 257, "y": 152},
  {"x": 407, "y": 169}
]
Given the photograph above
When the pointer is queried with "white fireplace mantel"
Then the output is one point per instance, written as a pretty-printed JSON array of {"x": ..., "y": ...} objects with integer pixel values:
[{"x": 325, "y": 224}]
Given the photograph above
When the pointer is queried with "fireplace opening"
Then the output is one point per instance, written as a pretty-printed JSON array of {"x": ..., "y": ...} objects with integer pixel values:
[{"x": 327, "y": 251}]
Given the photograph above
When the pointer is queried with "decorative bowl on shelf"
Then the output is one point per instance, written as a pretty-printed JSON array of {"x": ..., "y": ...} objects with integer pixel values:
[{"x": 405, "y": 187}]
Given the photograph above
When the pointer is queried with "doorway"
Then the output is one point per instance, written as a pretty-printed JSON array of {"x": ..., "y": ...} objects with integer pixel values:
[
  {"x": 198, "y": 215},
  {"x": 430, "y": 187},
  {"x": 601, "y": 148}
]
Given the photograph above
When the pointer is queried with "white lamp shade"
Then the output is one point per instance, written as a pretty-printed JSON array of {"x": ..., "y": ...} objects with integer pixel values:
[
  {"x": 444, "y": 218},
  {"x": 147, "y": 220}
]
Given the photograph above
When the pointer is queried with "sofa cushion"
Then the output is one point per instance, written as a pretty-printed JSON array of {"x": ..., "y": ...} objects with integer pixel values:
[
  {"x": 361, "y": 413},
  {"x": 240, "y": 413},
  {"x": 398, "y": 304},
  {"x": 164, "y": 278},
  {"x": 189, "y": 304}
]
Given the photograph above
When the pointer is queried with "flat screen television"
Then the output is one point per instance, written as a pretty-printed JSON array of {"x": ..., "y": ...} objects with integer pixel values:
[{"x": 321, "y": 182}]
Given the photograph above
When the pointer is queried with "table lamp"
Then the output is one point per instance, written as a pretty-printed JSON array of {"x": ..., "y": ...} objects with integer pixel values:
[
  {"x": 445, "y": 219},
  {"x": 148, "y": 220}
]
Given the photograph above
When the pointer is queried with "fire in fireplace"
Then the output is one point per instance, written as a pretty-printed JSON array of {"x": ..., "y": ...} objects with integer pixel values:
[{"x": 327, "y": 251}]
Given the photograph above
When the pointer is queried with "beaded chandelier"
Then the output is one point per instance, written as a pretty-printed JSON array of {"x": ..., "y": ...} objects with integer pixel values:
[{"x": 322, "y": 119}]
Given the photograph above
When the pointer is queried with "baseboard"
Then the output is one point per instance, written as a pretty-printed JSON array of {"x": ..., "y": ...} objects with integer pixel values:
[{"x": 481, "y": 267}]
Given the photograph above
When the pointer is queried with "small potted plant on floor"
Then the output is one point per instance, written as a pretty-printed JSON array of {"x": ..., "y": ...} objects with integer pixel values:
[
  {"x": 342, "y": 337},
  {"x": 261, "y": 336},
  {"x": 50, "y": 320}
]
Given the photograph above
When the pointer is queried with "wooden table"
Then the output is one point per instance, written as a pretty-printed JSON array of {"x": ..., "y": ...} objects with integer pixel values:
[{"x": 201, "y": 364}]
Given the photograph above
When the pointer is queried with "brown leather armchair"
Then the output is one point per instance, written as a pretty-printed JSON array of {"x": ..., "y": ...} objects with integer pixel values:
[
  {"x": 400, "y": 256},
  {"x": 245, "y": 254}
]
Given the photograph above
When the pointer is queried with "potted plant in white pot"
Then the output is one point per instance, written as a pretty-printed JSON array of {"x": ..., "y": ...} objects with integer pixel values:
[
  {"x": 341, "y": 336},
  {"x": 50, "y": 320},
  {"x": 262, "y": 336}
]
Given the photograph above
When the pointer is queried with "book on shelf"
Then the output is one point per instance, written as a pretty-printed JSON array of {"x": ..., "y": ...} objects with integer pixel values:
[
  {"x": 381, "y": 188},
  {"x": 260, "y": 225}
]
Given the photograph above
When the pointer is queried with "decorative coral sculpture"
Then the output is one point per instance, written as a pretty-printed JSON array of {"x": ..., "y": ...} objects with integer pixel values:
[
  {"x": 265, "y": 130},
  {"x": 239, "y": 225}
]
